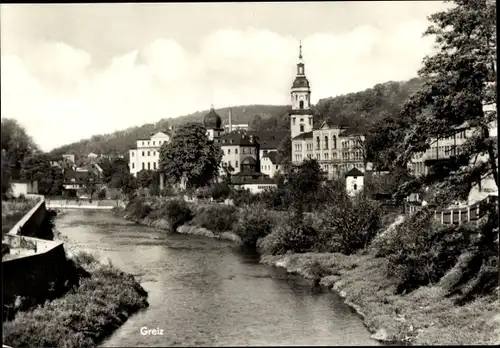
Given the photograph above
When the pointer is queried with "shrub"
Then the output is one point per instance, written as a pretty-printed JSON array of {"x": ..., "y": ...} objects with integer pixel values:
[
  {"x": 102, "y": 194},
  {"x": 220, "y": 190},
  {"x": 254, "y": 222},
  {"x": 217, "y": 218},
  {"x": 138, "y": 208},
  {"x": 421, "y": 251},
  {"x": 295, "y": 234},
  {"x": 347, "y": 227},
  {"x": 177, "y": 212}
]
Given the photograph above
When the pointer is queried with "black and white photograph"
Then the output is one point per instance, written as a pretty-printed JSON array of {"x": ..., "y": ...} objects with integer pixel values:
[{"x": 220, "y": 174}]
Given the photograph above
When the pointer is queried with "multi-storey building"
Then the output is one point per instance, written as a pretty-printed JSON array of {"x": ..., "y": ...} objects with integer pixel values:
[
  {"x": 240, "y": 152},
  {"x": 334, "y": 149},
  {"x": 270, "y": 163},
  {"x": 147, "y": 153}
]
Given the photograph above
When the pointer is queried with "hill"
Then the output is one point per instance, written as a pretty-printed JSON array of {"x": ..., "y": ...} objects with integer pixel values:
[
  {"x": 359, "y": 110},
  {"x": 121, "y": 141}
]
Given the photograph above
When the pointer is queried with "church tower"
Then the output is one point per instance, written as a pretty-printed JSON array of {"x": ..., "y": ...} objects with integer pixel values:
[{"x": 301, "y": 119}]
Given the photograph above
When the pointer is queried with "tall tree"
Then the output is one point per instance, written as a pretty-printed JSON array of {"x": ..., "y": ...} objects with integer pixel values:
[
  {"x": 147, "y": 178},
  {"x": 192, "y": 155},
  {"x": 16, "y": 143},
  {"x": 459, "y": 86}
]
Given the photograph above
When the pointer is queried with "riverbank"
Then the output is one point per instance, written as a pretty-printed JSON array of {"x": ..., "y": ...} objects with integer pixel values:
[
  {"x": 423, "y": 317},
  {"x": 103, "y": 301}
]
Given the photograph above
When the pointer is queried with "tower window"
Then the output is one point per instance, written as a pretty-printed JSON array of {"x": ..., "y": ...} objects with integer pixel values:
[
  {"x": 326, "y": 142},
  {"x": 301, "y": 104},
  {"x": 301, "y": 127}
]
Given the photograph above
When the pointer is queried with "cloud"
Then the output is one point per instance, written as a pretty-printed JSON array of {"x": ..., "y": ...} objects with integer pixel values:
[{"x": 60, "y": 97}]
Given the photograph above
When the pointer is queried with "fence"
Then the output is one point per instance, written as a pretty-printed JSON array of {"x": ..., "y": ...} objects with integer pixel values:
[{"x": 459, "y": 215}]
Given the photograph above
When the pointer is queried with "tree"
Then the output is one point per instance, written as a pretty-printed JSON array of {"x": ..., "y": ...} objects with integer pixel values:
[
  {"x": 304, "y": 182},
  {"x": 147, "y": 178},
  {"x": 90, "y": 184},
  {"x": 192, "y": 155},
  {"x": 459, "y": 86},
  {"x": 116, "y": 173},
  {"x": 6, "y": 183},
  {"x": 285, "y": 147},
  {"x": 37, "y": 167},
  {"x": 16, "y": 143}
]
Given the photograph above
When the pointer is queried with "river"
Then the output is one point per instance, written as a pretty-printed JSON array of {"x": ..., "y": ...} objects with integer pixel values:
[{"x": 205, "y": 292}]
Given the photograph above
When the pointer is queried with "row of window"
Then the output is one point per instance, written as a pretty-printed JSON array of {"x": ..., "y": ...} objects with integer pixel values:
[
  {"x": 154, "y": 143},
  {"x": 346, "y": 156},
  {"x": 148, "y": 165},
  {"x": 301, "y": 121},
  {"x": 144, "y": 152},
  {"x": 267, "y": 167},
  {"x": 244, "y": 150},
  {"x": 228, "y": 163},
  {"x": 341, "y": 167}
]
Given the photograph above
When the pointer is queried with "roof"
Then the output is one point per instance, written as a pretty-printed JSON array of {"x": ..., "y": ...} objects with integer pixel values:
[
  {"x": 303, "y": 136},
  {"x": 263, "y": 181},
  {"x": 73, "y": 174},
  {"x": 269, "y": 139},
  {"x": 212, "y": 120},
  {"x": 249, "y": 160},
  {"x": 232, "y": 139},
  {"x": 354, "y": 172},
  {"x": 274, "y": 156},
  {"x": 300, "y": 82}
]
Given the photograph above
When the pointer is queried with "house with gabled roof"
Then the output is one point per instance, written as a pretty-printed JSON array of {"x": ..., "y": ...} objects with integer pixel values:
[{"x": 146, "y": 154}]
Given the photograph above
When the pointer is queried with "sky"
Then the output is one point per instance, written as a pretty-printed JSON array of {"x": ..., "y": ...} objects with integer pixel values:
[{"x": 70, "y": 71}]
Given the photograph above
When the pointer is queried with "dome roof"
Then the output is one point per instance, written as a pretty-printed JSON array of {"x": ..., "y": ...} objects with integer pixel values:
[
  {"x": 300, "y": 82},
  {"x": 212, "y": 120}
]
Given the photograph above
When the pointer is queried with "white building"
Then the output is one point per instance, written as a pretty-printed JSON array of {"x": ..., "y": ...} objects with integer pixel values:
[
  {"x": 23, "y": 187},
  {"x": 147, "y": 153},
  {"x": 334, "y": 149},
  {"x": 354, "y": 181},
  {"x": 270, "y": 163}
]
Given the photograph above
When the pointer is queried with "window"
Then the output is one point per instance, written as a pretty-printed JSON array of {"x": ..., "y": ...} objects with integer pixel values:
[
  {"x": 276, "y": 167},
  {"x": 236, "y": 164},
  {"x": 229, "y": 163},
  {"x": 148, "y": 153},
  {"x": 301, "y": 104},
  {"x": 149, "y": 165},
  {"x": 228, "y": 151},
  {"x": 154, "y": 165},
  {"x": 236, "y": 151},
  {"x": 334, "y": 142},
  {"x": 355, "y": 187},
  {"x": 326, "y": 142},
  {"x": 143, "y": 143},
  {"x": 317, "y": 143},
  {"x": 244, "y": 150},
  {"x": 301, "y": 120},
  {"x": 143, "y": 153},
  {"x": 153, "y": 142},
  {"x": 148, "y": 142},
  {"x": 132, "y": 165},
  {"x": 293, "y": 121},
  {"x": 133, "y": 154},
  {"x": 310, "y": 121},
  {"x": 143, "y": 165},
  {"x": 301, "y": 127}
]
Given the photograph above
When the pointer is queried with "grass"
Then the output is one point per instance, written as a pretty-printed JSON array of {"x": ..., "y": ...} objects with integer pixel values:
[
  {"x": 425, "y": 316},
  {"x": 85, "y": 315}
]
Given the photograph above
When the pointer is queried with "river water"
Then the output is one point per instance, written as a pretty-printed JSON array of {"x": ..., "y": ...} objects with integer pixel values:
[{"x": 205, "y": 292}]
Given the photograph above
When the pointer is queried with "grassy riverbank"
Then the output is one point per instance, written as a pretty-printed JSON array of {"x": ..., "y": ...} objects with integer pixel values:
[
  {"x": 423, "y": 317},
  {"x": 103, "y": 301},
  {"x": 412, "y": 280}
]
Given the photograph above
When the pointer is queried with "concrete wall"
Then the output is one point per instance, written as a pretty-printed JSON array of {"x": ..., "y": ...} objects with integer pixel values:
[
  {"x": 37, "y": 275},
  {"x": 30, "y": 223}
]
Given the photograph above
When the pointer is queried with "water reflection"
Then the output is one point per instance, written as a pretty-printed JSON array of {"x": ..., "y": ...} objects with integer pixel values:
[{"x": 208, "y": 292}]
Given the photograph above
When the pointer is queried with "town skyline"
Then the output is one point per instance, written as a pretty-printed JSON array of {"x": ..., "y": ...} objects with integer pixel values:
[{"x": 228, "y": 59}]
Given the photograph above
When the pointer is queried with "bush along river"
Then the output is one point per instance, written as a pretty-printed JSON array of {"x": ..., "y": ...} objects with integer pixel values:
[{"x": 207, "y": 292}]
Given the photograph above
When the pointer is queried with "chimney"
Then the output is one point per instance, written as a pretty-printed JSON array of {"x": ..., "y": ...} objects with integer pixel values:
[{"x": 230, "y": 121}]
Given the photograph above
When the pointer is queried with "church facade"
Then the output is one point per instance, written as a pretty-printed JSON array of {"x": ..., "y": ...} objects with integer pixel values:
[{"x": 336, "y": 150}]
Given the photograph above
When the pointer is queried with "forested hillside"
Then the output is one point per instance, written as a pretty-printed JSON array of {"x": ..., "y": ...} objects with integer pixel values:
[
  {"x": 360, "y": 109},
  {"x": 119, "y": 142}
]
